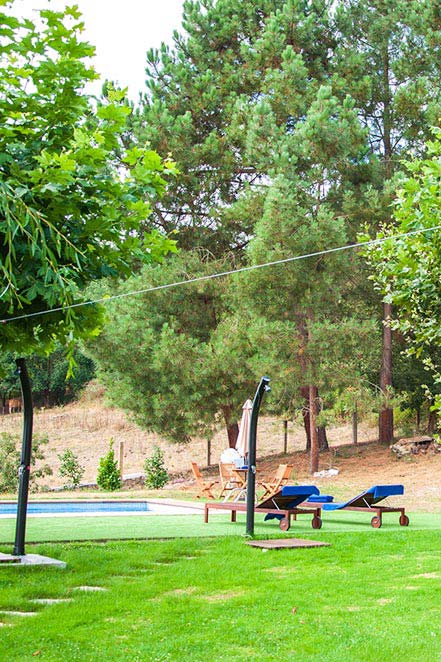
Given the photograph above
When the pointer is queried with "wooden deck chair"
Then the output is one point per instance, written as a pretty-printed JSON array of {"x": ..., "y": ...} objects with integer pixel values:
[
  {"x": 204, "y": 487},
  {"x": 281, "y": 477},
  {"x": 229, "y": 480}
]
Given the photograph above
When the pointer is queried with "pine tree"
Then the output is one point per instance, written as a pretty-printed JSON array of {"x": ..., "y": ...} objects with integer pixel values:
[
  {"x": 388, "y": 55},
  {"x": 173, "y": 357},
  {"x": 298, "y": 102},
  {"x": 198, "y": 94},
  {"x": 109, "y": 476}
]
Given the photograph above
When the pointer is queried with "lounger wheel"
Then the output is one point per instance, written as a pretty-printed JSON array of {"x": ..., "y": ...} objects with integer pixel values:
[
  {"x": 404, "y": 520},
  {"x": 284, "y": 524},
  {"x": 316, "y": 522},
  {"x": 376, "y": 522}
]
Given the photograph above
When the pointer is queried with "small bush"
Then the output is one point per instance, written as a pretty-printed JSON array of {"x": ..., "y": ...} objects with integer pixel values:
[
  {"x": 70, "y": 468},
  {"x": 109, "y": 476},
  {"x": 10, "y": 452},
  {"x": 156, "y": 475}
]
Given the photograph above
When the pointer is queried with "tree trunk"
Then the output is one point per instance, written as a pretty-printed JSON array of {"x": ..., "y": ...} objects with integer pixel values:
[
  {"x": 386, "y": 418},
  {"x": 355, "y": 426},
  {"x": 321, "y": 430},
  {"x": 418, "y": 418},
  {"x": 232, "y": 427},
  {"x": 432, "y": 422},
  {"x": 314, "y": 456},
  {"x": 322, "y": 438},
  {"x": 47, "y": 391}
]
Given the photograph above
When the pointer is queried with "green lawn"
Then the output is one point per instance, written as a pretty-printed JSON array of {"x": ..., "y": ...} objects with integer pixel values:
[
  {"x": 372, "y": 595},
  {"x": 51, "y": 529}
]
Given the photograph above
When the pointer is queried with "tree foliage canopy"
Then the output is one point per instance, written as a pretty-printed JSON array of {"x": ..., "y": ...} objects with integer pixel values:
[
  {"x": 72, "y": 196},
  {"x": 408, "y": 269},
  {"x": 176, "y": 358},
  {"x": 287, "y": 120}
]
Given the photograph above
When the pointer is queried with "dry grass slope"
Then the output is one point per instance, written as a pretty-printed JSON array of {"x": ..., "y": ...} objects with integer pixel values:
[{"x": 88, "y": 426}]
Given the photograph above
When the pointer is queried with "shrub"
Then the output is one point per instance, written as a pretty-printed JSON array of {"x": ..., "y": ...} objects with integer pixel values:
[
  {"x": 70, "y": 468},
  {"x": 109, "y": 476},
  {"x": 10, "y": 451},
  {"x": 156, "y": 475}
]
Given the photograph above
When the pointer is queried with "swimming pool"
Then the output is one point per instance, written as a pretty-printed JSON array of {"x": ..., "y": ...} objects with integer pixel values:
[{"x": 99, "y": 507}]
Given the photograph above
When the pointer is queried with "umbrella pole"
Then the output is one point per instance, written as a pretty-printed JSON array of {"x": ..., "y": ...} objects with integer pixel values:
[
  {"x": 251, "y": 479},
  {"x": 25, "y": 460}
]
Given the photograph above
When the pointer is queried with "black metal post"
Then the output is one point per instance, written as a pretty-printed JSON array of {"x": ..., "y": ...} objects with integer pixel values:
[
  {"x": 25, "y": 460},
  {"x": 251, "y": 479}
]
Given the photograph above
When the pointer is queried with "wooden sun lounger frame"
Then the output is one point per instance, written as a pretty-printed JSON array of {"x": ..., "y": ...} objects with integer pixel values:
[
  {"x": 377, "y": 521},
  {"x": 287, "y": 513}
]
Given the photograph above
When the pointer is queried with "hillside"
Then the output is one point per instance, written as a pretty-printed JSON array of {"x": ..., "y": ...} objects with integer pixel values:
[{"x": 88, "y": 426}]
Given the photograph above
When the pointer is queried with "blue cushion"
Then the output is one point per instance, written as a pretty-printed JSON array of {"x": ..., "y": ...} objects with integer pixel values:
[
  {"x": 386, "y": 490},
  {"x": 299, "y": 490},
  {"x": 320, "y": 498},
  {"x": 370, "y": 496},
  {"x": 289, "y": 497}
]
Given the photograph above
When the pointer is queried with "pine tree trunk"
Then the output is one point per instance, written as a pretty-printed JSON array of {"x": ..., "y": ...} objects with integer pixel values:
[
  {"x": 321, "y": 430},
  {"x": 355, "y": 426},
  {"x": 386, "y": 418},
  {"x": 232, "y": 427},
  {"x": 418, "y": 419},
  {"x": 314, "y": 456},
  {"x": 432, "y": 422}
]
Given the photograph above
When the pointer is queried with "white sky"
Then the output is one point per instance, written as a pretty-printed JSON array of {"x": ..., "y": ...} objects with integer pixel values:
[{"x": 122, "y": 31}]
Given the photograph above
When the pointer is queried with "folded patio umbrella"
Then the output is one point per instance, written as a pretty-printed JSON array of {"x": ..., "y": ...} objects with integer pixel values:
[{"x": 244, "y": 429}]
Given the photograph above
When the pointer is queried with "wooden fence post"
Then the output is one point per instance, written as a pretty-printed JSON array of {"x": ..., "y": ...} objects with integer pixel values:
[
  {"x": 121, "y": 457},
  {"x": 285, "y": 437},
  {"x": 208, "y": 452}
]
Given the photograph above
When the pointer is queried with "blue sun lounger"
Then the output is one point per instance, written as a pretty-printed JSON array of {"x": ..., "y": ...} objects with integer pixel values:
[
  {"x": 368, "y": 502},
  {"x": 290, "y": 500}
]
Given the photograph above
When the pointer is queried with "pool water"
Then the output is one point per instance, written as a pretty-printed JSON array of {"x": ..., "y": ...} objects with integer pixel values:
[{"x": 96, "y": 507}]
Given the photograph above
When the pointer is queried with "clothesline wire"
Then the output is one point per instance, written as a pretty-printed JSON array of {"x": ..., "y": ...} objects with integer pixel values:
[{"x": 222, "y": 274}]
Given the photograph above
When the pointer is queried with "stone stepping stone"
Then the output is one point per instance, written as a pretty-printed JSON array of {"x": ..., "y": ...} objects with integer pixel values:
[
  {"x": 50, "y": 601},
  {"x": 29, "y": 559},
  {"x": 89, "y": 588},
  {"x": 9, "y": 558},
  {"x": 286, "y": 543},
  {"x": 18, "y": 613}
]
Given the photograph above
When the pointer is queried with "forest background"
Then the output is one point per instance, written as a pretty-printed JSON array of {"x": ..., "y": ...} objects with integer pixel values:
[{"x": 289, "y": 122}]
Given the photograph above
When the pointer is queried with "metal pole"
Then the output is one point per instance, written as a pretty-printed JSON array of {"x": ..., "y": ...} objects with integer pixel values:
[
  {"x": 251, "y": 479},
  {"x": 25, "y": 460},
  {"x": 285, "y": 437}
]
